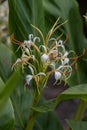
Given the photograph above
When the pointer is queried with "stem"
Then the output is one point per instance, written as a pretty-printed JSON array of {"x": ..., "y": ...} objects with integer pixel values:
[
  {"x": 33, "y": 113},
  {"x": 80, "y": 110},
  {"x": 31, "y": 121}
]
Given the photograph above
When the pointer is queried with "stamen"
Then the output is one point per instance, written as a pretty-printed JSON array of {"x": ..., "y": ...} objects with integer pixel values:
[
  {"x": 66, "y": 39},
  {"x": 15, "y": 41}
]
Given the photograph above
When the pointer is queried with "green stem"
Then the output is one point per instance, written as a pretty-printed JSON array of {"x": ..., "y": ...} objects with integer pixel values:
[
  {"x": 33, "y": 114},
  {"x": 31, "y": 121},
  {"x": 80, "y": 110}
]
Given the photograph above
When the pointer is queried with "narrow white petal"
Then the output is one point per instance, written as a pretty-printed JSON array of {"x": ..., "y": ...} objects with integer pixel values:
[
  {"x": 31, "y": 69},
  {"x": 30, "y": 36},
  {"x": 41, "y": 73},
  {"x": 28, "y": 79},
  {"x": 44, "y": 47},
  {"x": 36, "y": 38}
]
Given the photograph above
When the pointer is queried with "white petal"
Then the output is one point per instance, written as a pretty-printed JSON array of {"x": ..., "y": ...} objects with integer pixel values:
[
  {"x": 30, "y": 36},
  {"x": 24, "y": 55},
  {"x": 57, "y": 75},
  {"x": 31, "y": 69},
  {"x": 60, "y": 42},
  {"x": 27, "y": 51},
  {"x": 44, "y": 58},
  {"x": 18, "y": 60},
  {"x": 41, "y": 73},
  {"x": 36, "y": 38},
  {"x": 66, "y": 54},
  {"x": 65, "y": 61},
  {"x": 28, "y": 79},
  {"x": 44, "y": 47}
]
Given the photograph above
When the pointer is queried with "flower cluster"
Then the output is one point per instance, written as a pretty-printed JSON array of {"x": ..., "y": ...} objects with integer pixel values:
[{"x": 39, "y": 57}]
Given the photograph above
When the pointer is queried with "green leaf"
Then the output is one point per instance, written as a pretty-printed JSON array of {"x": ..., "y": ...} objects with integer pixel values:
[
  {"x": 79, "y": 91},
  {"x": 7, "y": 88},
  {"x": 30, "y": 12},
  {"x": 7, "y": 116},
  {"x": 46, "y": 106},
  {"x": 77, "y": 125},
  {"x": 22, "y": 104},
  {"x": 6, "y": 112},
  {"x": 22, "y": 101},
  {"x": 6, "y": 56},
  {"x": 48, "y": 121}
]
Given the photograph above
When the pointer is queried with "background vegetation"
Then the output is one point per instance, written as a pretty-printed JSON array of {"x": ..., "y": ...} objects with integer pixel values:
[{"x": 15, "y": 102}]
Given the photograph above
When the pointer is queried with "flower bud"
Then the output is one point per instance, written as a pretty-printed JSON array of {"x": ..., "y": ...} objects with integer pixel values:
[
  {"x": 44, "y": 58},
  {"x": 57, "y": 75}
]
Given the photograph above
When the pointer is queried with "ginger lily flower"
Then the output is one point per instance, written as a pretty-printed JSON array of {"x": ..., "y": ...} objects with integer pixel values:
[{"x": 51, "y": 52}]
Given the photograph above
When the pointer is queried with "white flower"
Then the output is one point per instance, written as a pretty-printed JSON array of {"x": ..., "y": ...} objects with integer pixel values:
[
  {"x": 57, "y": 75},
  {"x": 44, "y": 58},
  {"x": 27, "y": 43},
  {"x": 28, "y": 79},
  {"x": 66, "y": 54},
  {"x": 60, "y": 42},
  {"x": 27, "y": 51},
  {"x": 33, "y": 39},
  {"x": 65, "y": 61}
]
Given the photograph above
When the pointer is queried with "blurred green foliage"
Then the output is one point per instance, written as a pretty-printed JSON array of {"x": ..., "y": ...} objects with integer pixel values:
[{"x": 16, "y": 104}]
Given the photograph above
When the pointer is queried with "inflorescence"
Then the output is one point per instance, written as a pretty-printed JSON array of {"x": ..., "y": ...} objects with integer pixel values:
[{"x": 49, "y": 53}]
